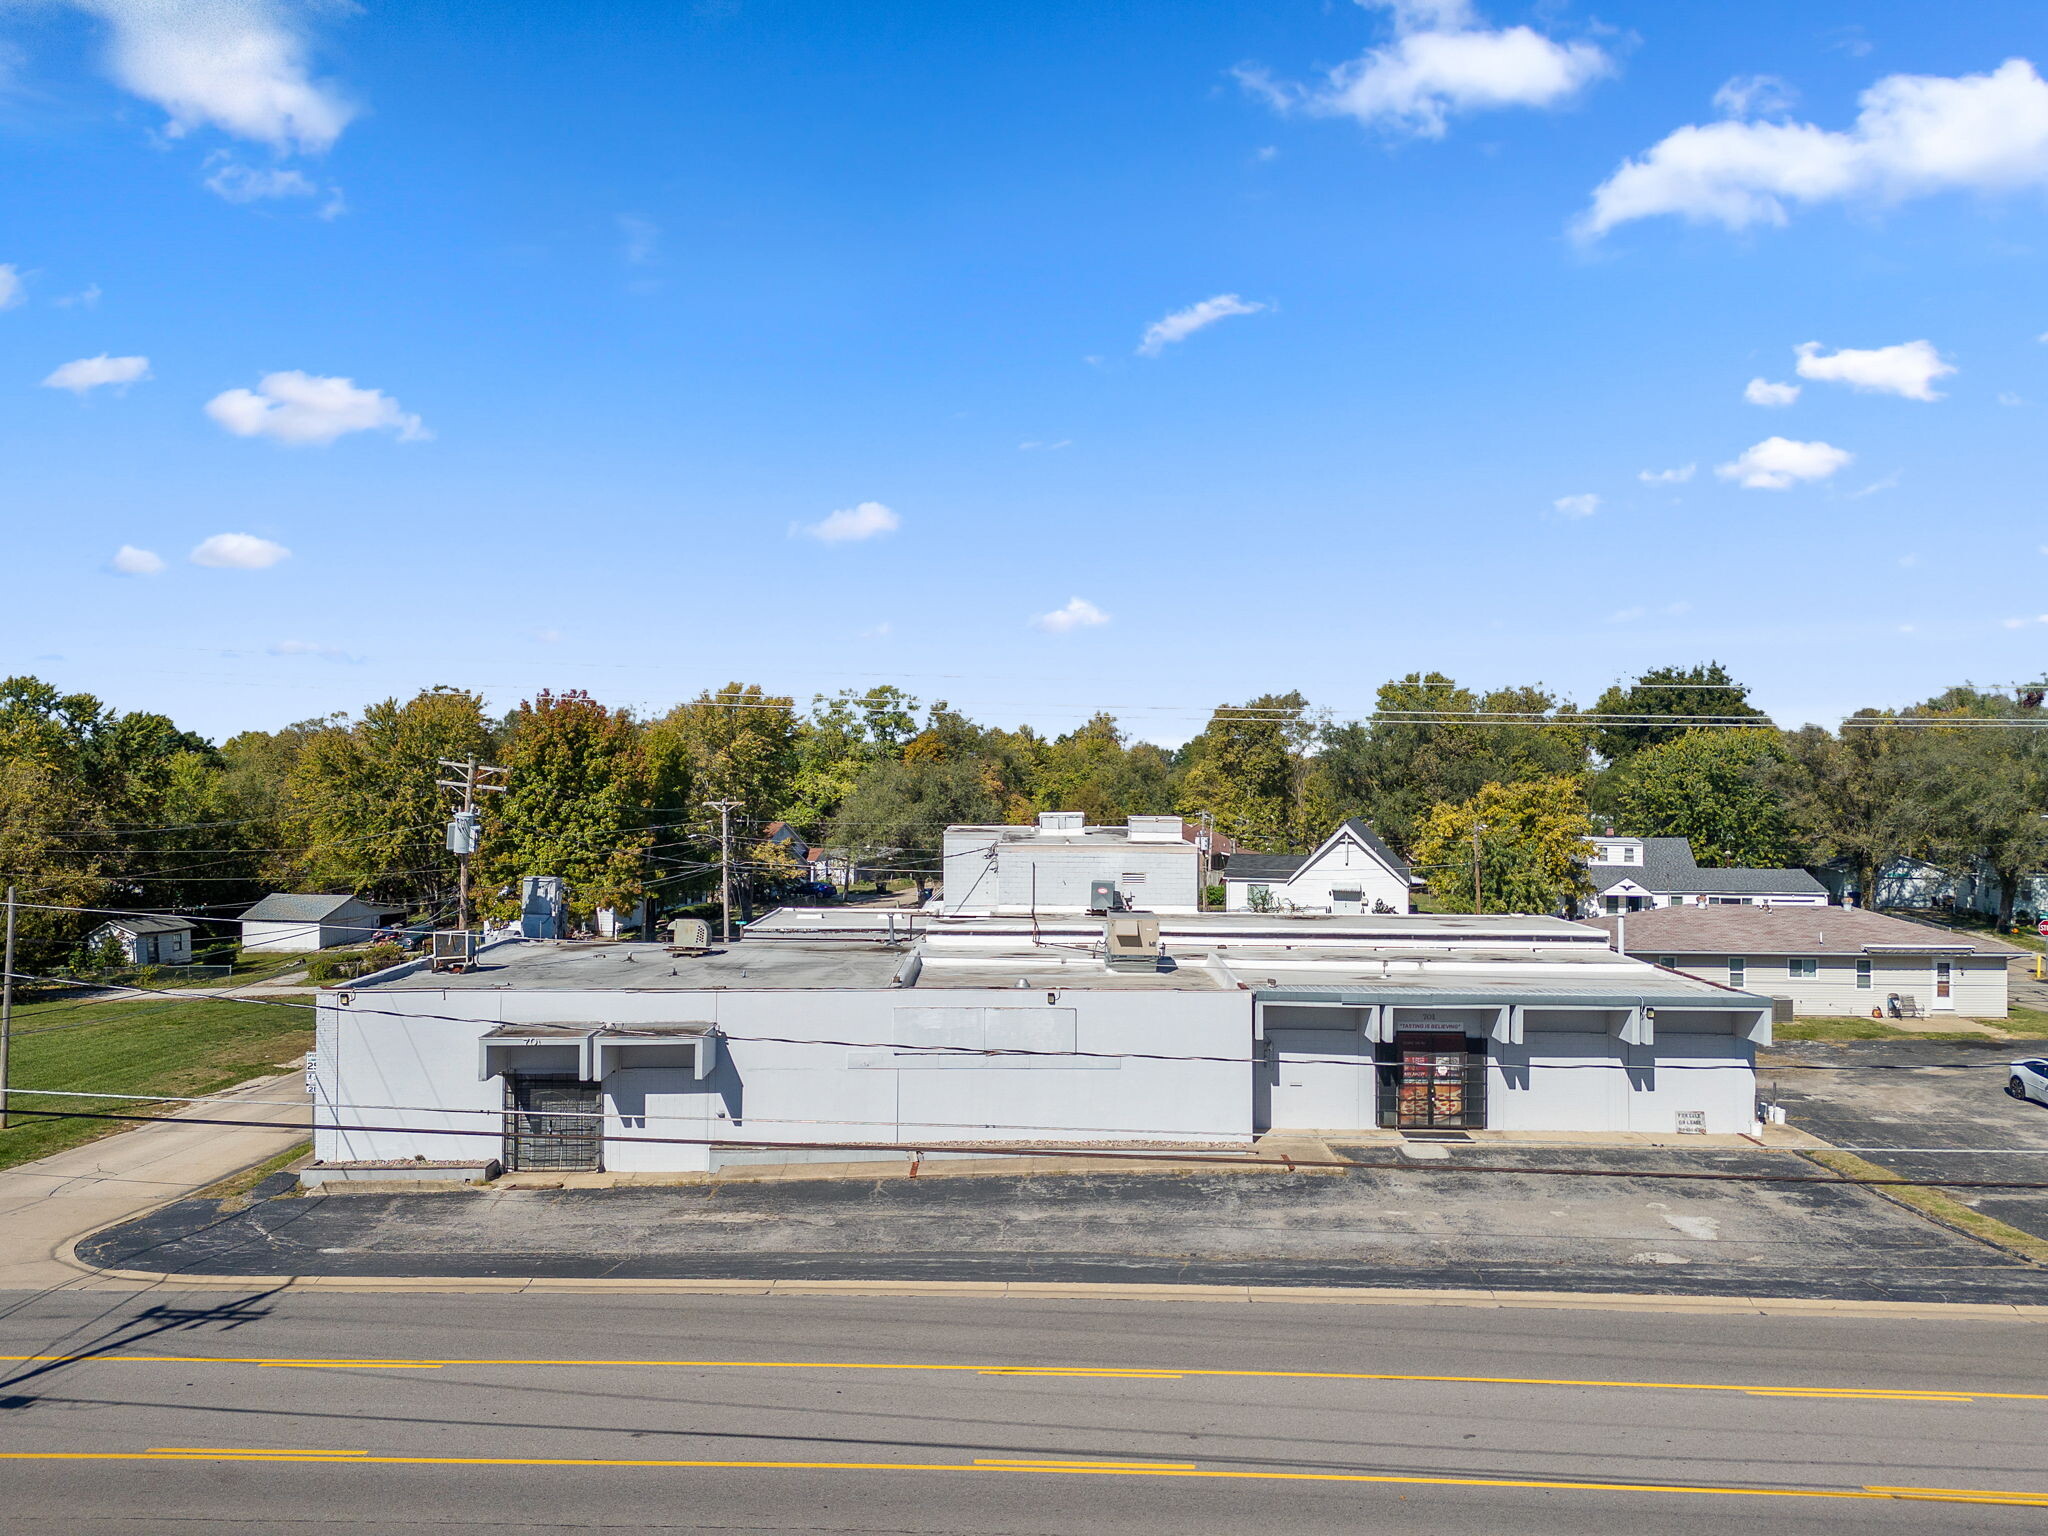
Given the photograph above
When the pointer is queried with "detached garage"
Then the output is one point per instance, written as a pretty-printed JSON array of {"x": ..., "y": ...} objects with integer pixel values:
[{"x": 282, "y": 922}]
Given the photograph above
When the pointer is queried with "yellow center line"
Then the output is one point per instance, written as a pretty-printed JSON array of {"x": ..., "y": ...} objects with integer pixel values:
[
  {"x": 1076, "y": 1372},
  {"x": 1058, "y": 1469}
]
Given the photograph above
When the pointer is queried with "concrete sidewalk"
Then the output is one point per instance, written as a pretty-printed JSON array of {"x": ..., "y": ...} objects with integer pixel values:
[{"x": 46, "y": 1206}]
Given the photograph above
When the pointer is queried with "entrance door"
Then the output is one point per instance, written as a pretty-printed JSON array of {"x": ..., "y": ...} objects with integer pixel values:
[
  {"x": 1322, "y": 1079},
  {"x": 1435, "y": 1086},
  {"x": 552, "y": 1123},
  {"x": 1944, "y": 986}
]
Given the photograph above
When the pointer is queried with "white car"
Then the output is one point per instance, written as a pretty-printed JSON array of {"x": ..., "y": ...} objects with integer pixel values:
[{"x": 2029, "y": 1080}]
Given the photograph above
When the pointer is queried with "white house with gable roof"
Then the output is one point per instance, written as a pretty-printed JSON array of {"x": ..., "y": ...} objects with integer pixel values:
[{"x": 1351, "y": 871}]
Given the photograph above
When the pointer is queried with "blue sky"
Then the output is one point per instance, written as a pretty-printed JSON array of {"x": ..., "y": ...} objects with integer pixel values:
[{"x": 546, "y": 340}]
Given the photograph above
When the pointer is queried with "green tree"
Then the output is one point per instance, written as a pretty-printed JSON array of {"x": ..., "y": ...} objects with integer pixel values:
[
  {"x": 1530, "y": 843},
  {"x": 576, "y": 805},
  {"x": 1855, "y": 797},
  {"x": 1722, "y": 789},
  {"x": 363, "y": 805},
  {"x": 1249, "y": 770},
  {"x": 1430, "y": 741},
  {"x": 1683, "y": 693},
  {"x": 1982, "y": 788}
]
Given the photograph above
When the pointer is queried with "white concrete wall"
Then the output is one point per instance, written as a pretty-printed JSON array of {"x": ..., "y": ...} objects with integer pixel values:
[
  {"x": 378, "y": 1051},
  {"x": 1978, "y": 984},
  {"x": 1573, "y": 1073}
]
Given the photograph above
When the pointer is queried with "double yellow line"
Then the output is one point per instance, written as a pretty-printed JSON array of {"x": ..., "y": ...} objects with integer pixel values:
[
  {"x": 1061, "y": 1467},
  {"x": 1060, "y": 1372}
]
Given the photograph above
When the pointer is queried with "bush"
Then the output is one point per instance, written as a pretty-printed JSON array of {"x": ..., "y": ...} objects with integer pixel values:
[{"x": 344, "y": 966}]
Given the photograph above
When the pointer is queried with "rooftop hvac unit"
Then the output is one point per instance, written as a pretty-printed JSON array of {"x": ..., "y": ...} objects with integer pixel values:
[
  {"x": 1062, "y": 823},
  {"x": 689, "y": 936},
  {"x": 454, "y": 949},
  {"x": 1103, "y": 897},
  {"x": 1130, "y": 942}
]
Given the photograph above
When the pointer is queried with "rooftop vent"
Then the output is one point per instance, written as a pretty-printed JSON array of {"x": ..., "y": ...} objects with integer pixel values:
[{"x": 1062, "y": 823}]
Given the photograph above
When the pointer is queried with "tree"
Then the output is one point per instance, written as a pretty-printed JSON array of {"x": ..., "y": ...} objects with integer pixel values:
[
  {"x": 843, "y": 736},
  {"x": 1982, "y": 788},
  {"x": 1530, "y": 841},
  {"x": 575, "y": 805},
  {"x": 1719, "y": 788},
  {"x": 1248, "y": 769},
  {"x": 363, "y": 802},
  {"x": 1683, "y": 693},
  {"x": 1855, "y": 797},
  {"x": 1416, "y": 751}
]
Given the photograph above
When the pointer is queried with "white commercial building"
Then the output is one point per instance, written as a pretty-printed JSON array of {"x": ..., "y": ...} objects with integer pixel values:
[
  {"x": 1061, "y": 865},
  {"x": 848, "y": 1028}
]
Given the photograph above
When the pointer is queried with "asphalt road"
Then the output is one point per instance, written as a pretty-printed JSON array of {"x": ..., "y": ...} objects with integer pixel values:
[
  {"x": 1928, "y": 1109},
  {"x": 1420, "y": 1225},
  {"x": 324, "y": 1412}
]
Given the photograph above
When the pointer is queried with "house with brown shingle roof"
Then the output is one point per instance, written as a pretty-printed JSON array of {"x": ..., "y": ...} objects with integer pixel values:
[{"x": 1835, "y": 961}]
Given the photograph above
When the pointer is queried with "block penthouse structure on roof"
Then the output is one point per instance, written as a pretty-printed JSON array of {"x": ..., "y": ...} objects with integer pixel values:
[
  {"x": 1635, "y": 874},
  {"x": 831, "y": 1034},
  {"x": 1059, "y": 866}
]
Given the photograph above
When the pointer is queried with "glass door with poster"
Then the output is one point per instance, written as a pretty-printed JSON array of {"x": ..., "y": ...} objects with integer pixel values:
[{"x": 1437, "y": 1084}]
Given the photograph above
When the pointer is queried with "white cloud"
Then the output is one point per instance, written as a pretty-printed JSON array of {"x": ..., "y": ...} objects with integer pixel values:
[
  {"x": 1778, "y": 462},
  {"x": 2041, "y": 618},
  {"x": 548, "y": 636},
  {"x": 239, "y": 183},
  {"x": 1577, "y": 506},
  {"x": 1908, "y": 369},
  {"x": 11, "y": 292},
  {"x": 1907, "y": 562},
  {"x": 1677, "y": 476},
  {"x": 130, "y": 561},
  {"x": 1626, "y": 615},
  {"x": 1442, "y": 61},
  {"x": 1183, "y": 323},
  {"x": 1875, "y": 486},
  {"x": 89, "y": 373},
  {"x": 1764, "y": 392},
  {"x": 1078, "y": 614},
  {"x": 1914, "y": 136},
  {"x": 1754, "y": 96},
  {"x": 87, "y": 297},
  {"x": 641, "y": 237},
  {"x": 238, "y": 65},
  {"x": 297, "y": 407},
  {"x": 1038, "y": 447},
  {"x": 868, "y": 520},
  {"x": 309, "y": 648},
  {"x": 239, "y": 552},
  {"x": 2007, "y": 397}
]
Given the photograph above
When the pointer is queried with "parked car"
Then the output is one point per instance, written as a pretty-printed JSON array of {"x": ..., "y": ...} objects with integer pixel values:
[{"x": 2029, "y": 1080}]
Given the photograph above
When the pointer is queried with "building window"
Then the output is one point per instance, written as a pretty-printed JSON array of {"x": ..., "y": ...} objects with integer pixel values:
[
  {"x": 1612, "y": 903},
  {"x": 1259, "y": 898},
  {"x": 1628, "y": 853},
  {"x": 1736, "y": 965},
  {"x": 1797, "y": 968},
  {"x": 1669, "y": 962},
  {"x": 1862, "y": 975}
]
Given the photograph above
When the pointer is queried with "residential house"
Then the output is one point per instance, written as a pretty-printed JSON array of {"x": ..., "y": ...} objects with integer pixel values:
[
  {"x": 1059, "y": 865},
  {"x": 1836, "y": 961},
  {"x": 1350, "y": 871},
  {"x": 824, "y": 1027},
  {"x": 1634, "y": 874},
  {"x": 148, "y": 940},
  {"x": 282, "y": 921}
]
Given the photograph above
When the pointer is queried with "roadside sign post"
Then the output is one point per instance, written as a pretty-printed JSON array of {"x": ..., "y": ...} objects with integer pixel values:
[{"x": 7, "y": 1010}]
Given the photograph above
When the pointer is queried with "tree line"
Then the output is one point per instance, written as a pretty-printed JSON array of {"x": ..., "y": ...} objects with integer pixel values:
[{"x": 100, "y": 808}]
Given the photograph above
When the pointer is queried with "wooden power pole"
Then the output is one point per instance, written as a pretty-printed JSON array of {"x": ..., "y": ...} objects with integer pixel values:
[{"x": 464, "y": 835}]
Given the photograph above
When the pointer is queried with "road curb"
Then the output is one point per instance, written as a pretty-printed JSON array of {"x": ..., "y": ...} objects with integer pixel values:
[{"x": 1000, "y": 1290}]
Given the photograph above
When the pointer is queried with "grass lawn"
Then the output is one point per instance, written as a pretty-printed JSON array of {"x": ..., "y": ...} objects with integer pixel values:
[
  {"x": 2022, "y": 1024},
  {"x": 141, "y": 1048}
]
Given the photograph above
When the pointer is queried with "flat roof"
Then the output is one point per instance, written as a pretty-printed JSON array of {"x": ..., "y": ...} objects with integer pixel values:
[{"x": 553, "y": 966}]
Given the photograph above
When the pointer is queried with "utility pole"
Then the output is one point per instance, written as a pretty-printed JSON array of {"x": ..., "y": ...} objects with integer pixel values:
[
  {"x": 464, "y": 831},
  {"x": 7, "y": 1012},
  {"x": 725, "y": 808},
  {"x": 1478, "y": 900}
]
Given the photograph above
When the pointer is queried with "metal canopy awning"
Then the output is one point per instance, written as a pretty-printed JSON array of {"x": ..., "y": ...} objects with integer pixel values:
[
  {"x": 599, "y": 1048},
  {"x": 1636, "y": 1024}
]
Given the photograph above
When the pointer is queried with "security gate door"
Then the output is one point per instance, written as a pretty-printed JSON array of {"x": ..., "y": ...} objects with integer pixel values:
[
  {"x": 1438, "y": 1084},
  {"x": 552, "y": 1123}
]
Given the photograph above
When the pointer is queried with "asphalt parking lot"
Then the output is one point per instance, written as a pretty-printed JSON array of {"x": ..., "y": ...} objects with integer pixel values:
[
  {"x": 1930, "y": 1109},
  {"x": 1421, "y": 1225}
]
